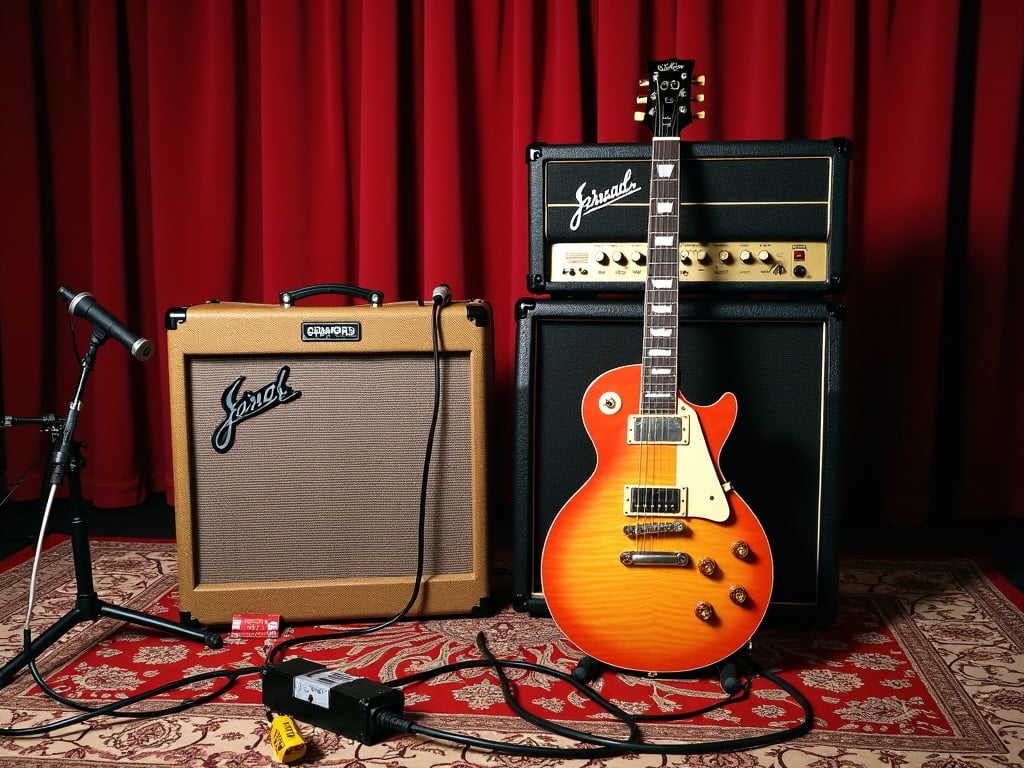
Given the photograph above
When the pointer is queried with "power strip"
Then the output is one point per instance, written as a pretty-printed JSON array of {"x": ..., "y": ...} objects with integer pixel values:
[{"x": 330, "y": 699}]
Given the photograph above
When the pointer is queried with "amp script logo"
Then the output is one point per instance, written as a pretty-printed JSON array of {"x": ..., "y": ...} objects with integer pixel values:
[
  {"x": 239, "y": 407},
  {"x": 595, "y": 200}
]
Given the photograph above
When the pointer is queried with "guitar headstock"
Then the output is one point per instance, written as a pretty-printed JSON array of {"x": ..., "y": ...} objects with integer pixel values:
[{"x": 670, "y": 90}]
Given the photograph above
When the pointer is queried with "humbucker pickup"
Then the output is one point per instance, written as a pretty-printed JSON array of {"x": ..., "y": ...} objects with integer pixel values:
[
  {"x": 654, "y": 500},
  {"x": 674, "y": 429}
]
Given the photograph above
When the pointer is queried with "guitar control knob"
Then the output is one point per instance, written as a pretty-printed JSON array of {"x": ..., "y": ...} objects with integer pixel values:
[
  {"x": 724, "y": 256},
  {"x": 638, "y": 258},
  {"x": 739, "y": 595},
  {"x": 707, "y": 566},
  {"x": 740, "y": 550},
  {"x": 602, "y": 258},
  {"x": 702, "y": 257},
  {"x": 619, "y": 258},
  {"x": 746, "y": 256},
  {"x": 764, "y": 257},
  {"x": 704, "y": 611},
  {"x": 684, "y": 257}
]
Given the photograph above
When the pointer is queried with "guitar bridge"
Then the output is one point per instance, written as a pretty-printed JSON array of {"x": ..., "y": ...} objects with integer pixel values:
[{"x": 678, "y": 559}]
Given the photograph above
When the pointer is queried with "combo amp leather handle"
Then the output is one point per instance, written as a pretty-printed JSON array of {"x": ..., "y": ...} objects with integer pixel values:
[{"x": 288, "y": 298}]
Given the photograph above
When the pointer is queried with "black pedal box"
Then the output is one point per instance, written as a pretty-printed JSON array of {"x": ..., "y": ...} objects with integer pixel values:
[{"x": 335, "y": 701}]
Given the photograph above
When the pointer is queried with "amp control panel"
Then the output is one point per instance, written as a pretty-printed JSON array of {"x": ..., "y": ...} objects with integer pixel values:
[{"x": 763, "y": 263}]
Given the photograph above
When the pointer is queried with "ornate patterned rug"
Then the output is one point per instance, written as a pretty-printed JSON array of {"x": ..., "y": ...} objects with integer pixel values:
[{"x": 924, "y": 667}]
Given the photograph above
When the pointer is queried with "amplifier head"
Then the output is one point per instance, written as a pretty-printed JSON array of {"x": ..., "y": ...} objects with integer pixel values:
[
  {"x": 756, "y": 216},
  {"x": 299, "y": 436}
]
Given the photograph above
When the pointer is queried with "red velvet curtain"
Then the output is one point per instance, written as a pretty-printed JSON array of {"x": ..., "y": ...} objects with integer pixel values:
[{"x": 163, "y": 153}]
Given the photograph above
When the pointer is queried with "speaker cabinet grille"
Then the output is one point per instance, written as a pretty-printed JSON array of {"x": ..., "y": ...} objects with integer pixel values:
[
  {"x": 310, "y": 507},
  {"x": 782, "y": 360}
]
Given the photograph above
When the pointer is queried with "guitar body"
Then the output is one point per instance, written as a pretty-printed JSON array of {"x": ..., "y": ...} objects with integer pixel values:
[
  {"x": 656, "y": 564},
  {"x": 643, "y": 615}
]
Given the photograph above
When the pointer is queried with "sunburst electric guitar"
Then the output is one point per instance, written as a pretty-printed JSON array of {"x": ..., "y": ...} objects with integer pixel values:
[{"x": 656, "y": 564}]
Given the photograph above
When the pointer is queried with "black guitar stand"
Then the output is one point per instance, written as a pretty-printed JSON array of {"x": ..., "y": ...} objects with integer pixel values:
[
  {"x": 88, "y": 606},
  {"x": 588, "y": 668}
]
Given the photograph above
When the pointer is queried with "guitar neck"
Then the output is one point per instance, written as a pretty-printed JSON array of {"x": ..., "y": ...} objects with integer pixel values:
[{"x": 659, "y": 378}]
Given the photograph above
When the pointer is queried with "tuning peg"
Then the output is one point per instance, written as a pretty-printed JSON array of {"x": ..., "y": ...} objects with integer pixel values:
[
  {"x": 698, "y": 97},
  {"x": 639, "y": 116},
  {"x": 699, "y": 80},
  {"x": 645, "y": 83},
  {"x": 699, "y": 115},
  {"x": 641, "y": 99}
]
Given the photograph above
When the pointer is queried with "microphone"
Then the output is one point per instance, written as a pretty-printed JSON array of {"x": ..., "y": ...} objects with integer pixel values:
[
  {"x": 85, "y": 306},
  {"x": 442, "y": 295}
]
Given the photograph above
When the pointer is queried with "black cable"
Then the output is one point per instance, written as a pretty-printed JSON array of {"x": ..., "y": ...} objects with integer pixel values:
[
  {"x": 541, "y": 722},
  {"x": 278, "y": 649},
  {"x": 603, "y": 746},
  {"x": 491, "y": 662},
  {"x": 232, "y": 676},
  {"x": 87, "y": 712}
]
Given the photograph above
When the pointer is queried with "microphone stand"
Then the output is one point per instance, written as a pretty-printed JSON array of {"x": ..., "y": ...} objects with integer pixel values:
[{"x": 88, "y": 606}]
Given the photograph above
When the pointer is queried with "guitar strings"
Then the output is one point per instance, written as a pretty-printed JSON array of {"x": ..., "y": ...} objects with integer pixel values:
[{"x": 659, "y": 391}]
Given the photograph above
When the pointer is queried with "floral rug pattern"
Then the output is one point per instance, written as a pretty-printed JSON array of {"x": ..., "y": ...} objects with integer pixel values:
[{"x": 924, "y": 667}]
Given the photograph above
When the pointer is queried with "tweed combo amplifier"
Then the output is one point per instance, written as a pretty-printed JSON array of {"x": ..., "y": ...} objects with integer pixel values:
[
  {"x": 754, "y": 217},
  {"x": 782, "y": 360},
  {"x": 299, "y": 438}
]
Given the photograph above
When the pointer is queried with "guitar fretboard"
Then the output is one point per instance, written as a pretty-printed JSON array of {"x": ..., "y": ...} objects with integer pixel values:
[{"x": 658, "y": 383}]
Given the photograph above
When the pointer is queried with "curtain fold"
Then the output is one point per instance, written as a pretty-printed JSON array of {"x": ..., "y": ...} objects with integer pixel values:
[{"x": 162, "y": 154}]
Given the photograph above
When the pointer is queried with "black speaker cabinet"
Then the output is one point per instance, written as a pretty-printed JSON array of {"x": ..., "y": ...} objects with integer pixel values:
[
  {"x": 299, "y": 436},
  {"x": 781, "y": 359}
]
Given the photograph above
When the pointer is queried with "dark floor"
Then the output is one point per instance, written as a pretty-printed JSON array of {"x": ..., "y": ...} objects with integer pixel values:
[
  {"x": 1001, "y": 539},
  {"x": 21, "y": 521}
]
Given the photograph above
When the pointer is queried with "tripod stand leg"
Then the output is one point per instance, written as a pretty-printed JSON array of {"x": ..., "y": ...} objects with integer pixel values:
[
  {"x": 40, "y": 644},
  {"x": 209, "y": 639},
  {"x": 586, "y": 670},
  {"x": 67, "y": 459},
  {"x": 729, "y": 674},
  {"x": 89, "y": 608}
]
